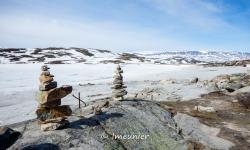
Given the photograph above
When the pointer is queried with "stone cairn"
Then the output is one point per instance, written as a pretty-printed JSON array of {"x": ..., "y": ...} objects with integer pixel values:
[
  {"x": 51, "y": 114},
  {"x": 118, "y": 86}
]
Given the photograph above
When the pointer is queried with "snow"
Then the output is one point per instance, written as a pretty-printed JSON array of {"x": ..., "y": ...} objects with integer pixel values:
[
  {"x": 19, "y": 82},
  {"x": 71, "y": 55}
]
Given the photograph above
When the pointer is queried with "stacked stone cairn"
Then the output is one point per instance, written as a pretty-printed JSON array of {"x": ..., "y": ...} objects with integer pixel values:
[
  {"x": 119, "y": 91},
  {"x": 51, "y": 114}
]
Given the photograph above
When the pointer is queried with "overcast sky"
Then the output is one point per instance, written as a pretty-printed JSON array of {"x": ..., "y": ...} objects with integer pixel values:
[{"x": 127, "y": 24}]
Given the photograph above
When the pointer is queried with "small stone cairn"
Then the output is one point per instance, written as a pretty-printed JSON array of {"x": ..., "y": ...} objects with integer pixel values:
[
  {"x": 119, "y": 91},
  {"x": 51, "y": 114}
]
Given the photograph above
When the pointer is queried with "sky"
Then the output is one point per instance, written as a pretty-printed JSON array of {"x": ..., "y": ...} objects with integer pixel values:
[{"x": 127, "y": 25}]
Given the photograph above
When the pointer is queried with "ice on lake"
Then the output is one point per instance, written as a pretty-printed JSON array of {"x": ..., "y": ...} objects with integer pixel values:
[{"x": 19, "y": 82}]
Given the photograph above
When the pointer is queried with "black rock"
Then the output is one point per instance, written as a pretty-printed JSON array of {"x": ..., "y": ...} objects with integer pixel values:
[{"x": 7, "y": 137}]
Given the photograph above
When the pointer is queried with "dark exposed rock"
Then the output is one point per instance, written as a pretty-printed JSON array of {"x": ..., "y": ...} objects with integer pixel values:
[
  {"x": 9, "y": 50},
  {"x": 15, "y": 59},
  {"x": 111, "y": 61},
  {"x": 81, "y": 60},
  {"x": 7, "y": 137},
  {"x": 49, "y": 56},
  {"x": 27, "y": 56},
  {"x": 38, "y": 59},
  {"x": 84, "y": 51},
  {"x": 43, "y": 146},
  {"x": 53, "y": 48},
  {"x": 56, "y": 62},
  {"x": 103, "y": 51},
  {"x": 128, "y": 56}
]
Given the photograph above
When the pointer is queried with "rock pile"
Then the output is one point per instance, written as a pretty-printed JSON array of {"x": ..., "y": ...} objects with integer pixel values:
[
  {"x": 51, "y": 114},
  {"x": 118, "y": 86}
]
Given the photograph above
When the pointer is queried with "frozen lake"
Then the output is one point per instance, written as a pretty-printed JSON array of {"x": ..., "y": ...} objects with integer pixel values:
[{"x": 19, "y": 82}]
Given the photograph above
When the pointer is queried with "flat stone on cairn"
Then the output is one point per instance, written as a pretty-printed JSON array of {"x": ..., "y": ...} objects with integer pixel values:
[
  {"x": 50, "y": 114},
  {"x": 118, "y": 87}
]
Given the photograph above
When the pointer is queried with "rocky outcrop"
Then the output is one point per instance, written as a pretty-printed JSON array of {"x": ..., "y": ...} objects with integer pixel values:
[
  {"x": 119, "y": 91},
  {"x": 231, "y": 83},
  {"x": 192, "y": 129},
  {"x": 134, "y": 124},
  {"x": 241, "y": 90},
  {"x": 50, "y": 114}
]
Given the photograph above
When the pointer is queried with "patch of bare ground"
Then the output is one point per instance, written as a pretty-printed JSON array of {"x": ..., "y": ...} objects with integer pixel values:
[{"x": 229, "y": 116}]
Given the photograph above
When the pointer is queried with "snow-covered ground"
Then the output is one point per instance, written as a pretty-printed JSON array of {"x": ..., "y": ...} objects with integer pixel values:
[
  {"x": 53, "y": 55},
  {"x": 19, "y": 82}
]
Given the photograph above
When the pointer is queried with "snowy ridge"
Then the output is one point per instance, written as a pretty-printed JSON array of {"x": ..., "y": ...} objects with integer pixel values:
[
  {"x": 200, "y": 56},
  {"x": 57, "y": 55}
]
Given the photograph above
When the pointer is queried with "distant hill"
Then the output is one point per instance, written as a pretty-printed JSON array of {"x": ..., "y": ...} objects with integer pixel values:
[{"x": 59, "y": 55}]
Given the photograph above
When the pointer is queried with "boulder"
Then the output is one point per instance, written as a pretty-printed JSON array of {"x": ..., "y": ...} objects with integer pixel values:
[
  {"x": 45, "y": 79},
  {"x": 235, "y": 77},
  {"x": 204, "y": 109},
  {"x": 47, "y": 86},
  {"x": 231, "y": 87},
  {"x": 241, "y": 90},
  {"x": 194, "y": 80},
  {"x": 54, "y": 94},
  {"x": 244, "y": 99},
  {"x": 54, "y": 125},
  {"x": 7, "y": 137},
  {"x": 45, "y": 113},
  {"x": 221, "y": 77}
]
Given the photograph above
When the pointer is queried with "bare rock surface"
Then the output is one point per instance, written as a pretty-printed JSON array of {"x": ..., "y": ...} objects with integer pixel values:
[
  {"x": 228, "y": 123},
  {"x": 242, "y": 90},
  {"x": 192, "y": 128},
  {"x": 134, "y": 124}
]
